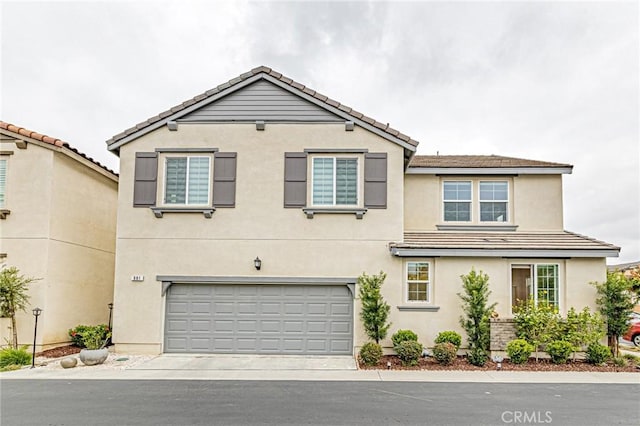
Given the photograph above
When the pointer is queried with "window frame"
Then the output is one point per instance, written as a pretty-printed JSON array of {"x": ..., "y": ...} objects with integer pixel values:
[
  {"x": 506, "y": 201},
  {"x": 358, "y": 187},
  {"x": 428, "y": 283},
  {"x": 534, "y": 276},
  {"x": 162, "y": 176},
  {"x": 3, "y": 182},
  {"x": 470, "y": 201}
]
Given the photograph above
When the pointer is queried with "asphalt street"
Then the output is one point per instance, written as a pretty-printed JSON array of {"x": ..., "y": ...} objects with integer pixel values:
[{"x": 167, "y": 402}]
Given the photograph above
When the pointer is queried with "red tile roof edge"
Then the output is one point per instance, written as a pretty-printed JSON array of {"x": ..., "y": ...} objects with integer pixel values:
[
  {"x": 274, "y": 74},
  {"x": 51, "y": 141}
]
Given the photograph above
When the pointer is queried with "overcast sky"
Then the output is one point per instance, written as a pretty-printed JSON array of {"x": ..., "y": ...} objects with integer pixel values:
[{"x": 539, "y": 80}]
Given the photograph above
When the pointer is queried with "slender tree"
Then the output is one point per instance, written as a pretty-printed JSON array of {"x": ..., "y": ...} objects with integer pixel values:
[
  {"x": 14, "y": 297},
  {"x": 477, "y": 311},
  {"x": 615, "y": 304},
  {"x": 375, "y": 310}
]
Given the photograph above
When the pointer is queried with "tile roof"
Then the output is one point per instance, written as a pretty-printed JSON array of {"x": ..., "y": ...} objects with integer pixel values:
[
  {"x": 21, "y": 131},
  {"x": 560, "y": 240},
  {"x": 477, "y": 161},
  {"x": 272, "y": 73}
]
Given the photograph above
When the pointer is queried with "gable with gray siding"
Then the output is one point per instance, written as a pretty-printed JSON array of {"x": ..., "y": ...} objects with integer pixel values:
[{"x": 264, "y": 101}]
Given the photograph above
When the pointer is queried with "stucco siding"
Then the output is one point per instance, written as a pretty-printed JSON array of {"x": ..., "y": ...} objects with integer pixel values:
[{"x": 538, "y": 202}]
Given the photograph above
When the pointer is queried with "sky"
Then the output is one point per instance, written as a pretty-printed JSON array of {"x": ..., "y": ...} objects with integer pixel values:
[{"x": 540, "y": 80}]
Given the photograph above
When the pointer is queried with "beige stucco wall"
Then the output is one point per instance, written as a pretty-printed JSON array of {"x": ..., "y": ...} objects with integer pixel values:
[
  {"x": 288, "y": 243},
  {"x": 535, "y": 201},
  {"x": 61, "y": 229}
]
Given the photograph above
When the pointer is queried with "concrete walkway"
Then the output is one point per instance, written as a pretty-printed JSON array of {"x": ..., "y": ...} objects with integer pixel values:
[{"x": 180, "y": 367}]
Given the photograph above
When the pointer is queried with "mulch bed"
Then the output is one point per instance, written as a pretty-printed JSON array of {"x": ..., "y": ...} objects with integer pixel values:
[
  {"x": 59, "y": 352},
  {"x": 461, "y": 364}
]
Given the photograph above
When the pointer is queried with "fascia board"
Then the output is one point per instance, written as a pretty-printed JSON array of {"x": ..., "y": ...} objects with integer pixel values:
[
  {"x": 488, "y": 170},
  {"x": 427, "y": 252}
]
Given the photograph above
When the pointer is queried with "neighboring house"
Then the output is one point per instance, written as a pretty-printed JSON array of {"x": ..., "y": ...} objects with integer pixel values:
[
  {"x": 628, "y": 269},
  {"x": 246, "y": 215},
  {"x": 57, "y": 223}
]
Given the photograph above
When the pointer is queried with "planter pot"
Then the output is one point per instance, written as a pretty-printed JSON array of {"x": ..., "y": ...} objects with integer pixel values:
[{"x": 93, "y": 356}]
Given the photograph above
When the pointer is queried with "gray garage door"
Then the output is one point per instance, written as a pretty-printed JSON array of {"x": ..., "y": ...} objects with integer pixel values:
[{"x": 260, "y": 319}]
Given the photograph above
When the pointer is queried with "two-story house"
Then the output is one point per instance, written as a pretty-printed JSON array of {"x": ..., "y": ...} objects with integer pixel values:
[
  {"x": 57, "y": 224},
  {"x": 246, "y": 215}
]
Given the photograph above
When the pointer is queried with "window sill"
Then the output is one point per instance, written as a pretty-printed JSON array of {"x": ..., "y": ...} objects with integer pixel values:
[
  {"x": 4, "y": 213},
  {"x": 311, "y": 211},
  {"x": 160, "y": 211},
  {"x": 491, "y": 227},
  {"x": 426, "y": 308}
]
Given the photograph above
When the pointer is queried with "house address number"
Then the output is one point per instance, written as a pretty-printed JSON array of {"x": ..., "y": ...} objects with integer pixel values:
[{"x": 137, "y": 277}]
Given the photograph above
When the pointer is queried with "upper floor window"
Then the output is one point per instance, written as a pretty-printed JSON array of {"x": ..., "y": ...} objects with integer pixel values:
[
  {"x": 494, "y": 199},
  {"x": 457, "y": 201},
  {"x": 418, "y": 282},
  {"x": 335, "y": 181},
  {"x": 3, "y": 181},
  {"x": 187, "y": 180}
]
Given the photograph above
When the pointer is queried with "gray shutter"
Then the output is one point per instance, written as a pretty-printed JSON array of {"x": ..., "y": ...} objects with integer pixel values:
[
  {"x": 145, "y": 179},
  {"x": 295, "y": 179},
  {"x": 375, "y": 180},
  {"x": 224, "y": 179}
]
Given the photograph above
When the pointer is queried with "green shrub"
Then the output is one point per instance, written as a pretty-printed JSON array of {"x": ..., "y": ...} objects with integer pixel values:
[
  {"x": 403, "y": 336},
  {"x": 634, "y": 360},
  {"x": 559, "y": 351},
  {"x": 10, "y": 356},
  {"x": 597, "y": 353},
  {"x": 477, "y": 356},
  {"x": 97, "y": 332},
  {"x": 95, "y": 337},
  {"x": 371, "y": 353},
  {"x": 409, "y": 352},
  {"x": 519, "y": 351},
  {"x": 451, "y": 337},
  {"x": 11, "y": 367},
  {"x": 620, "y": 361},
  {"x": 445, "y": 352}
]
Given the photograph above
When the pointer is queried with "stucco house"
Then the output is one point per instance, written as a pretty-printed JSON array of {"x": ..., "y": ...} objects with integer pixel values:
[
  {"x": 58, "y": 224},
  {"x": 246, "y": 214}
]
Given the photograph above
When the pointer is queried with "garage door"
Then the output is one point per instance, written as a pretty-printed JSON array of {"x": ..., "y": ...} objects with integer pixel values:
[{"x": 260, "y": 319}]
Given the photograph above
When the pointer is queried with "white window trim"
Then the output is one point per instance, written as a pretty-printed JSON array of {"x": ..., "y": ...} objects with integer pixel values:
[
  {"x": 470, "y": 201},
  {"x": 429, "y": 281},
  {"x": 6, "y": 176},
  {"x": 533, "y": 268},
  {"x": 480, "y": 201},
  {"x": 162, "y": 176},
  {"x": 359, "y": 183}
]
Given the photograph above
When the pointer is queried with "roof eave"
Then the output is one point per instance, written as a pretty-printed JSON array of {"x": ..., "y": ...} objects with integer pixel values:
[
  {"x": 512, "y": 253},
  {"x": 489, "y": 170}
]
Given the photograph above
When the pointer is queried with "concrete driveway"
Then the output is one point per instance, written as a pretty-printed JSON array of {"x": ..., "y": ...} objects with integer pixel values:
[{"x": 247, "y": 362}]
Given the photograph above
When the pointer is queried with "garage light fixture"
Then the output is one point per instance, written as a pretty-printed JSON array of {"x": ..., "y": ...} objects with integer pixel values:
[{"x": 257, "y": 263}]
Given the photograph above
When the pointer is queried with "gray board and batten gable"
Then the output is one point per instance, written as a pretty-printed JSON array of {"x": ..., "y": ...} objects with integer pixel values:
[
  {"x": 204, "y": 105},
  {"x": 261, "y": 101}
]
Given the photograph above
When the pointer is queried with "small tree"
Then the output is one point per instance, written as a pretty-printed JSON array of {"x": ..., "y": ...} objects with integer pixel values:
[
  {"x": 582, "y": 328},
  {"x": 477, "y": 311},
  {"x": 537, "y": 324},
  {"x": 14, "y": 297},
  {"x": 615, "y": 304},
  {"x": 375, "y": 310}
]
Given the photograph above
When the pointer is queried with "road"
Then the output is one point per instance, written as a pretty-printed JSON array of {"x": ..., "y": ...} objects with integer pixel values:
[{"x": 166, "y": 402}]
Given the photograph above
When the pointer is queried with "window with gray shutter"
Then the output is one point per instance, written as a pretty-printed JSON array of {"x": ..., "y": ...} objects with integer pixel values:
[
  {"x": 295, "y": 179},
  {"x": 224, "y": 179},
  {"x": 145, "y": 179},
  {"x": 375, "y": 180}
]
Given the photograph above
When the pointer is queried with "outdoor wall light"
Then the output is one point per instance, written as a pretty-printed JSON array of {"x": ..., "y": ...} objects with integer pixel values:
[
  {"x": 257, "y": 263},
  {"x": 36, "y": 313}
]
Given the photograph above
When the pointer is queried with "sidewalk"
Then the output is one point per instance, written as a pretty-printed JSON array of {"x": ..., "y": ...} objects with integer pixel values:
[{"x": 167, "y": 367}]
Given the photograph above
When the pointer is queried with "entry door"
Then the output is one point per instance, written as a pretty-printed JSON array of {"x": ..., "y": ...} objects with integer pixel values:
[{"x": 520, "y": 284}]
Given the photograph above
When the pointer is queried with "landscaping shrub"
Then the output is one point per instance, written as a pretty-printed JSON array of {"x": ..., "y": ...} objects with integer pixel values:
[
  {"x": 559, "y": 351},
  {"x": 403, "y": 336},
  {"x": 538, "y": 324},
  {"x": 100, "y": 331},
  {"x": 519, "y": 351},
  {"x": 371, "y": 353},
  {"x": 620, "y": 361},
  {"x": 449, "y": 336},
  {"x": 477, "y": 357},
  {"x": 409, "y": 352},
  {"x": 597, "y": 353},
  {"x": 10, "y": 356},
  {"x": 375, "y": 311},
  {"x": 633, "y": 360},
  {"x": 445, "y": 352}
]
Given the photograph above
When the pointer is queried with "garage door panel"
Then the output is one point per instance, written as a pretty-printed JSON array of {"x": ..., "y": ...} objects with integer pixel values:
[{"x": 269, "y": 319}]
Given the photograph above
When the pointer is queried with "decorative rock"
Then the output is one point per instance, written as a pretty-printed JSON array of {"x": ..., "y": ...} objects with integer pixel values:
[
  {"x": 69, "y": 362},
  {"x": 94, "y": 356}
]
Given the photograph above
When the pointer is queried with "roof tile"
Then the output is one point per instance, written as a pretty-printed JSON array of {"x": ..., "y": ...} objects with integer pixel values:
[{"x": 477, "y": 161}]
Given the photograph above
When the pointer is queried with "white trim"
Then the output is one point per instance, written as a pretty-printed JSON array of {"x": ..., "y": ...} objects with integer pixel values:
[
  {"x": 334, "y": 158},
  {"x": 470, "y": 201},
  {"x": 488, "y": 170},
  {"x": 163, "y": 176},
  {"x": 480, "y": 252},
  {"x": 533, "y": 274},
  {"x": 429, "y": 281},
  {"x": 507, "y": 202}
]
